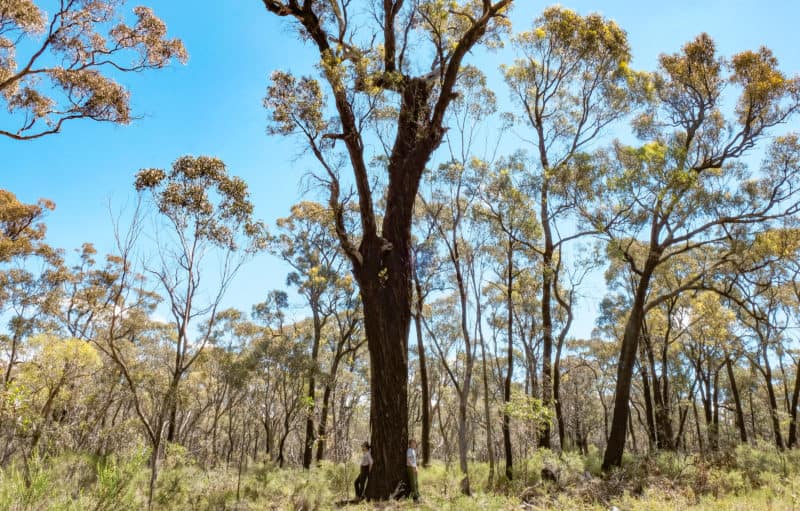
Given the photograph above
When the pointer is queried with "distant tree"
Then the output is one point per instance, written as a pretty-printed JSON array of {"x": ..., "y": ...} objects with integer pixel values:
[
  {"x": 202, "y": 212},
  {"x": 571, "y": 83},
  {"x": 58, "y": 67},
  {"x": 29, "y": 273},
  {"x": 509, "y": 217},
  {"x": 687, "y": 192},
  {"x": 448, "y": 206},
  {"x": 307, "y": 242},
  {"x": 21, "y": 229},
  {"x": 203, "y": 217}
]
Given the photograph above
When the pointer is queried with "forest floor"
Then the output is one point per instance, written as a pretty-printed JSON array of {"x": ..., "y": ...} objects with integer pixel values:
[{"x": 749, "y": 478}]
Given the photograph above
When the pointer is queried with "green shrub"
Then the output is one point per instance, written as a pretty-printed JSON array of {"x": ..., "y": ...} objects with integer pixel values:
[
  {"x": 115, "y": 488},
  {"x": 759, "y": 460},
  {"x": 726, "y": 481},
  {"x": 593, "y": 461}
]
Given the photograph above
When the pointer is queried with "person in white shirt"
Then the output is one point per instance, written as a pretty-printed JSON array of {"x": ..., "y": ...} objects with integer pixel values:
[
  {"x": 366, "y": 467},
  {"x": 411, "y": 468}
]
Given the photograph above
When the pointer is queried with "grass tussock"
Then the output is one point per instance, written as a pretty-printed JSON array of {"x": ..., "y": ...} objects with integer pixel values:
[{"x": 748, "y": 478}]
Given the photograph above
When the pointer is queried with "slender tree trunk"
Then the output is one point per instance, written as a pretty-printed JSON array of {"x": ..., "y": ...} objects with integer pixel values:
[
  {"x": 462, "y": 443},
  {"x": 753, "y": 423},
  {"x": 705, "y": 397},
  {"x": 312, "y": 387},
  {"x": 630, "y": 340},
  {"x": 652, "y": 393},
  {"x": 214, "y": 428},
  {"x": 12, "y": 357},
  {"x": 632, "y": 432},
  {"x": 547, "y": 325},
  {"x": 737, "y": 402},
  {"x": 323, "y": 422},
  {"x": 766, "y": 371},
  {"x": 151, "y": 489},
  {"x": 697, "y": 426},
  {"x": 713, "y": 431},
  {"x": 663, "y": 419},
  {"x": 557, "y": 402},
  {"x": 787, "y": 402},
  {"x": 648, "y": 406},
  {"x": 423, "y": 377},
  {"x": 773, "y": 408},
  {"x": 683, "y": 414},
  {"x": 557, "y": 371},
  {"x": 469, "y": 361},
  {"x": 486, "y": 409},
  {"x": 487, "y": 413},
  {"x": 172, "y": 426},
  {"x": 792, "y": 441},
  {"x": 510, "y": 366}
]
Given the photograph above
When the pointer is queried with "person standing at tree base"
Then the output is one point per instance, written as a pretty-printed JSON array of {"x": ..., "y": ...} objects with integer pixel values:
[
  {"x": 366, "y": 466},
  {"x": 411, "y": 468}
]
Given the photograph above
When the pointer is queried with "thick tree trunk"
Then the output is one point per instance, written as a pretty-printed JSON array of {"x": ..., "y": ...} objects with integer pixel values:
[
  {"x": 382, "y": 262},
  {"x": 630, "y": 341},
  {"x": 387, "y": 317}
]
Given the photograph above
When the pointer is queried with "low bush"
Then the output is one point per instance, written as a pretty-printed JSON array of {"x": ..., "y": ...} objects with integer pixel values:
[{"x": 754, "y": 477}]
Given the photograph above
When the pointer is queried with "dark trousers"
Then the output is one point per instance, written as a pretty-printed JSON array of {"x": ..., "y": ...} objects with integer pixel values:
[
  {"x": 361, "y": 482},
  {"x": 413, "y": 482}
]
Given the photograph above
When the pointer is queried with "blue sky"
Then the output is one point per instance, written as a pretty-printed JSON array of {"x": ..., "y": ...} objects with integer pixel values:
[{"x": 213, "y": 106}]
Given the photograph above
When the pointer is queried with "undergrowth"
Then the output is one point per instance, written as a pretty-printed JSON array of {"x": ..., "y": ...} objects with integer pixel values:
[{"x": 749, "y": 478}]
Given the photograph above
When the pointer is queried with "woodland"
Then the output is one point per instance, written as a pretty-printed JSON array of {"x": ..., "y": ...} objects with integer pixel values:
[{"x": 439, "y": 259}]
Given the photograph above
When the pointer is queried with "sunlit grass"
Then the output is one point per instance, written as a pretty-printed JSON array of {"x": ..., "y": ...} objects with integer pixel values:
[{"x": 748, "y": 479}]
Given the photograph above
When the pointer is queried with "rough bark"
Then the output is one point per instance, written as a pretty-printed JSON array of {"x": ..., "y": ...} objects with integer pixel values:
[
  {"x": 382, "y": 261},
  {"x": 547, "y": 319},
  {"x": 510, "y": 367},
  {"x": 630, "y": 341}
]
